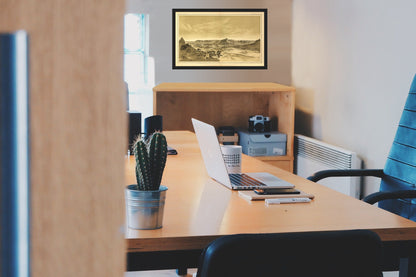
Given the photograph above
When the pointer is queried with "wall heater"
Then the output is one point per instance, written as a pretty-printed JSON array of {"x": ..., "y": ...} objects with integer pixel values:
[{"x": 312, "y": 155}]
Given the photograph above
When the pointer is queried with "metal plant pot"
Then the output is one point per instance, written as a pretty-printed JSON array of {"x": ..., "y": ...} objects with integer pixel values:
[{"x": 145, "y": 208}]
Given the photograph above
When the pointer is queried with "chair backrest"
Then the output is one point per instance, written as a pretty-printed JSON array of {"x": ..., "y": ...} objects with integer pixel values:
[
  {"x": 400, "y": 168},
  {"x": 336, "y": 253}
]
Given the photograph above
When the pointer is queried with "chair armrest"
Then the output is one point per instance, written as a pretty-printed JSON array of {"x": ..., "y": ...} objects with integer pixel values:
[
  {"x": 384, "y": 195},
  {"x": 345, "y": 173}
]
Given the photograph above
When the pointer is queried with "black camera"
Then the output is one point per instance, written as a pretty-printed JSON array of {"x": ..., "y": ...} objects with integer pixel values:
[{"x": 259, "y": 124}]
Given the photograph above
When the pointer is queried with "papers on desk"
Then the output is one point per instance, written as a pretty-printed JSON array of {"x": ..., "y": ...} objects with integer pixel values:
[
  {"x": 251, "y": 195},
  {"x": 292, "y": 200}
]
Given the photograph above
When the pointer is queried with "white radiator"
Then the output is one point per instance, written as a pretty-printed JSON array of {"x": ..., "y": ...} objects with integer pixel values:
[{"x": 312, "y": 155}]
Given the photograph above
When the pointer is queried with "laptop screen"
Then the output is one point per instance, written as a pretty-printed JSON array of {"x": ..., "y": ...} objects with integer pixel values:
[{"x": 211, "y": 152}]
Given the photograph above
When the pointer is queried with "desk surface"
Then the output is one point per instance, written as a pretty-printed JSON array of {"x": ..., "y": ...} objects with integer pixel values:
[{"x": 198, "y": 209}]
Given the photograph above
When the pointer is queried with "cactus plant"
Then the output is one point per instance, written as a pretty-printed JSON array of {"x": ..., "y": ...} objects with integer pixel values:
[{"x": 150, "y": 161}]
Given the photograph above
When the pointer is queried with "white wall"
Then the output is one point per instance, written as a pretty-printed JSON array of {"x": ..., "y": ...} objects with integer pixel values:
[
  {"x": 279, "y": 40},
  {"x": 352, "y": 64}
]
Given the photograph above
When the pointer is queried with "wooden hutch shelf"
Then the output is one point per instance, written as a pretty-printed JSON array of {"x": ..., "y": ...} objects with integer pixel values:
[{"x": 228, "y": 104}]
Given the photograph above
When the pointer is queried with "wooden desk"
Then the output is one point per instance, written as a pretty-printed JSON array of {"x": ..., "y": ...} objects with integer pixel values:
[{"x": 198, "y": 210}]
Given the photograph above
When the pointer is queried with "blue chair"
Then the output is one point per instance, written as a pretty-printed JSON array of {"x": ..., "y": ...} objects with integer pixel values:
[
  {"x": 325, "y": 254},
  {"x": 397, "y": 189}
]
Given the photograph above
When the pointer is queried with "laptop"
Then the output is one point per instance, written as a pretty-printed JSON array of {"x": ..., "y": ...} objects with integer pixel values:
[{"x": 217, "y": 170}]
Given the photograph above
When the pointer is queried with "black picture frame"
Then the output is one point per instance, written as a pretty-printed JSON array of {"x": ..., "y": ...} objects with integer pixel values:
[{"x": 219, "y": 38}]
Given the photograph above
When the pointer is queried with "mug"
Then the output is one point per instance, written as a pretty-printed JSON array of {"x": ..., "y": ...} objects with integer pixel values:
[{"x": 232, "y": 157}]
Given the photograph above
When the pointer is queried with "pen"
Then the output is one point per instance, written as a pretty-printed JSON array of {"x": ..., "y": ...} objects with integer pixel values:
[{"x": 287, "y": 200}]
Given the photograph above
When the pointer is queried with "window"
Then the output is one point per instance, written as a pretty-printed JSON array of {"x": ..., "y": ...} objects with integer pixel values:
[{"x": 138, "y": 65}]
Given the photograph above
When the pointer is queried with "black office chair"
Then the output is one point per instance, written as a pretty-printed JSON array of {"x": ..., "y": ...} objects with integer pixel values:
[
  {"x": 397, "y": 189},
  {"x": 334, "y": 253}
]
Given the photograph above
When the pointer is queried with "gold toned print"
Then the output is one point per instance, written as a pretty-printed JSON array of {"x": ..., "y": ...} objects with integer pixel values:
[{"x": 214, "y": 39}]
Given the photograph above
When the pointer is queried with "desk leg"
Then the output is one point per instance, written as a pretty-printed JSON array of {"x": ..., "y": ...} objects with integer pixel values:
[
  {"x": 180, "y": 260},
  {"x": 182, "y": 271},
  {"x": 407, "y": 267}
]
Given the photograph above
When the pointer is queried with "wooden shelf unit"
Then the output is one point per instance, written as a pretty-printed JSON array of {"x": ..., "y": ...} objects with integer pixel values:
[{"x": 228, "y": 104}]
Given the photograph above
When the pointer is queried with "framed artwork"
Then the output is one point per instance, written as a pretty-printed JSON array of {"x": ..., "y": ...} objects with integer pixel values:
[{"x": 219, "y": 38}]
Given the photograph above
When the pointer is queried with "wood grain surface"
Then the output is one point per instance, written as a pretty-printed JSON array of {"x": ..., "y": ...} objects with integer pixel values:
[
  {"x": 78, "y": 133},
  {"x": 198, "y": 209},
  {"x": 228, "y": 104}
]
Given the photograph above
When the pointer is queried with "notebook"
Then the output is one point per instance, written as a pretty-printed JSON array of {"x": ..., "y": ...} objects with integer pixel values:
[
  {"x": 252, "y": 196},
  {"x": 217, "y": 170}
]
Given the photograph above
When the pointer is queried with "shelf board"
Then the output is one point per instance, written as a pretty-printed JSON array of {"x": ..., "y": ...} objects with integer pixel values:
[
  {"x": 222, "y": 87},
  {"x": 275, "y": 158}
]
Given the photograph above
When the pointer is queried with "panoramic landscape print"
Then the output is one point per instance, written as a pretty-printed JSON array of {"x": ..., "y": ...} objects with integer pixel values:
[{"x": 220, "y": 39}]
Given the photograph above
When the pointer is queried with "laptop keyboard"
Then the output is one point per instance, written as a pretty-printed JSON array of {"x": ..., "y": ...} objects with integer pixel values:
[{"x": 244, "y": 181}]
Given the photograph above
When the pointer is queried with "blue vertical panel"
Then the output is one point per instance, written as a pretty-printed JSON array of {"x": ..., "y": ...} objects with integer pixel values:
[{"x": 14, "y": 156}]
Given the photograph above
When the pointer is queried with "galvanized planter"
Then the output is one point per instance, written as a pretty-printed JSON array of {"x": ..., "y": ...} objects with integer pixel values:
[{"x": 144, "y": 209}]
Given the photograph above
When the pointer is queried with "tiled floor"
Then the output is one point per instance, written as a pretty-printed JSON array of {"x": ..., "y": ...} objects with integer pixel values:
[
  {"x": 391, "y": 274},
  {"x": 159, "y": 273},
  {"x": 192, "y": 272}
]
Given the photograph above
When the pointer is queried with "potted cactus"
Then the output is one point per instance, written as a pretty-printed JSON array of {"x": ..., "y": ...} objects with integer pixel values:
[{"x": 145, "y": 200}]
